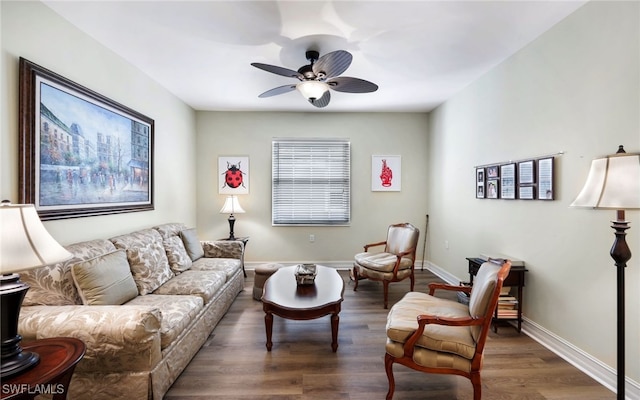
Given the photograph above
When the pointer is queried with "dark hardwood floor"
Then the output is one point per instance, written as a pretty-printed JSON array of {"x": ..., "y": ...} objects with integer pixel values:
[{"x": 234, "y": 363}]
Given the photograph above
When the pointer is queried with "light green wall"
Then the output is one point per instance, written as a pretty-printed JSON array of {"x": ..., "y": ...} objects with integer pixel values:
[
  {"x": 576, "y": 89},
  {"x": 31, "y": 30},
  {"x": 251, "y": 133}
]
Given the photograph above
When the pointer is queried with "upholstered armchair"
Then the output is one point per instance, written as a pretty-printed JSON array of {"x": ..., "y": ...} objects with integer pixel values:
[
  {"x": 395, "y": 262},
  {"x": 441, "y": 336}
]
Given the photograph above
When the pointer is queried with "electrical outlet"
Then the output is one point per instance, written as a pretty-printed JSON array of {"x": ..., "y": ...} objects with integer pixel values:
[
  {"x": 446, "y": 244},
  {"x": 312, "y": 238}
]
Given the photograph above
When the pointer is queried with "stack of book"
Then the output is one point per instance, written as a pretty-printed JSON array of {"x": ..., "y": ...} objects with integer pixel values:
[{"x": 507, "y": 304}]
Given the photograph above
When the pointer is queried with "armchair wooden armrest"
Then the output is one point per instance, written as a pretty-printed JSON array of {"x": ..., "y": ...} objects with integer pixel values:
[
  {"x": 366, "y": 246},
  {"x": 458, "y": 288},
  {"x": 425, "y": 319}
]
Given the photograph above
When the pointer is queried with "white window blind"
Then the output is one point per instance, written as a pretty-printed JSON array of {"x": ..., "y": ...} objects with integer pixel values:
[{"x": 311, "y": 182}]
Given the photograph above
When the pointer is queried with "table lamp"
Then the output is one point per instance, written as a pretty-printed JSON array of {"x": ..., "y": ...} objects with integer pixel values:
[
  {"x": 614, "y": 183},
  {"x": 24, "y": 244},
  {"x": 231, "y": 206}
]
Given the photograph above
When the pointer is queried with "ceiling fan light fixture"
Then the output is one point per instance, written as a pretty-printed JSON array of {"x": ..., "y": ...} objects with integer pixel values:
[{"x": 312, "y": 89}]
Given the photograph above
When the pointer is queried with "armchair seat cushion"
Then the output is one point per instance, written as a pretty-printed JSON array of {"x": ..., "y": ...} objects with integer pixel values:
[
  {"x": 429, "y": 358},
  {"x": 456, "y": 340},
  {"x": 382, "y": 262}
]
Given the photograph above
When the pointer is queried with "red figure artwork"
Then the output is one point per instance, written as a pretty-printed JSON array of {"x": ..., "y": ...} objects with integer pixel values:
[{"x": 386, "y": 175}]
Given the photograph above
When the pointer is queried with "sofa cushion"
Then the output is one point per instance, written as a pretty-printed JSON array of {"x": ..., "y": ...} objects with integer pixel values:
[
  {"x": 197, "y": 283},
  {"x": 192, "y": 243},
  {"x": 105, "y": 280},
  {"x": 147, "y": 258},
  {"x": 402, "y": 322},
  {"x": 228, "y": 266},
  {"x": 178, "y": 312},
  {"x": 52, "y": 285},
  {"x": 179, "y": 260},
  {"x": 170, "y": 229}
]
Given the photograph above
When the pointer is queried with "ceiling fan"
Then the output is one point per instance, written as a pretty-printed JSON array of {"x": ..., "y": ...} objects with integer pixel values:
[{"x": 318, "y": 77}]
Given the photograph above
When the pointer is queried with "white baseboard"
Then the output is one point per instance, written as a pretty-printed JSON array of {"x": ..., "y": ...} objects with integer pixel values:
[{"x": 596, "y": 369}]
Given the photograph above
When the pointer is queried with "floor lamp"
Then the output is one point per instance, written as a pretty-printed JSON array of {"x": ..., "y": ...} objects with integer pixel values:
[
  {"x": 614, "y": 183},
  {"x": 24, "y": 244}
]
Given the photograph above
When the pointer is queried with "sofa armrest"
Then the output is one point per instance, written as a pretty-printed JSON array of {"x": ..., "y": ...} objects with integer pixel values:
[
  {"x": 117, "y": 338},
  {"x": 223, "y": 249}
]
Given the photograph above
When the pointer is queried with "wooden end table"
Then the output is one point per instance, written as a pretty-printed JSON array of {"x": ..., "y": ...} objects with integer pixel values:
[
  {"x": 58, "y": 359},
  {"x": 285, "y": 298}
]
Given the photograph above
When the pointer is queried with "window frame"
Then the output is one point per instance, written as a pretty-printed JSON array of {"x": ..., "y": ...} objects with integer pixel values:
[{"x": 331, "y": 186}]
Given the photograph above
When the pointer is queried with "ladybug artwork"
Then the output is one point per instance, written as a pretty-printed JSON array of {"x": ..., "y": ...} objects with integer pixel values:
[{"x": 233, "y": 176}]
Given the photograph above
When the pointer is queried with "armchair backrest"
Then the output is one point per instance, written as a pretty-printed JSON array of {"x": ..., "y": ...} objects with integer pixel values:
[
  {"x": 401, "y": 238},
  {"x": 485, "y": 292}
]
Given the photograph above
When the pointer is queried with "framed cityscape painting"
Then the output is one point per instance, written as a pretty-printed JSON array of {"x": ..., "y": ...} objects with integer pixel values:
[{"x": 81, "y": 154}]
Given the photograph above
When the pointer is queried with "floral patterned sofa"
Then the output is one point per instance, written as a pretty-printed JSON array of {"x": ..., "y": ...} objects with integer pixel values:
[{"x": 143, "y": 303}]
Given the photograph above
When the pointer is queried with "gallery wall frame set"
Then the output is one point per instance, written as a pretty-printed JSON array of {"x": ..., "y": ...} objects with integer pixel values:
[
  {"x": 531, "y": 179},
  {"x": 81, "y": 153}
]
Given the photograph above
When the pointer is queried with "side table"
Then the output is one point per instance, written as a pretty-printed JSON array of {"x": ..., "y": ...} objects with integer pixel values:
[
  {"x": 244, "y": 240},
  {"x": 514, "y": 279},
  {"x": 58, "y": 359}
]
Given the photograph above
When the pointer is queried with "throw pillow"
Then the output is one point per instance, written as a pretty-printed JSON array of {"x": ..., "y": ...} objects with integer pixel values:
[
  {"x": 147, "y": 259},
  {"x": 179, "y": 260},
  {"x": 105, "y": 280},
  {"x": 192, "y": 244}
]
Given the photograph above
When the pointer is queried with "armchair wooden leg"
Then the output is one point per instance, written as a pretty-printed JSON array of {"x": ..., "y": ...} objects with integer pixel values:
[
  {"x": 388, "y": 367},
  {"x": 385, "y": 285},
  {"x": 413, "y": 280},
  {"x": 477, "y": 385},
  {"x": 356, "y": 278}
]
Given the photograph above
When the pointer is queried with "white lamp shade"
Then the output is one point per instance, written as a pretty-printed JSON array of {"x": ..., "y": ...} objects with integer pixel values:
[
  {"x": 24, "y": 241},
  {"x": 613, "y": 183},
  {"x": 312, "y": 89},
  {"x": 231, "y": 206}
]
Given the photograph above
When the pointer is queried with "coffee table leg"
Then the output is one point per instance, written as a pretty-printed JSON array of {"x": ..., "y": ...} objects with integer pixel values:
[
  {"x": 268, "y": 324},
  {"x": 335, "y": 321}
]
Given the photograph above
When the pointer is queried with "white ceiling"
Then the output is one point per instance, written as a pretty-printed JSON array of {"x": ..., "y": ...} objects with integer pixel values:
[{"x": 420, "y": 53}]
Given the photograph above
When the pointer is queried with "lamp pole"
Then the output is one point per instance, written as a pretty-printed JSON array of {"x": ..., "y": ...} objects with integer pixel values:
[{"x": 621, "y": 254}]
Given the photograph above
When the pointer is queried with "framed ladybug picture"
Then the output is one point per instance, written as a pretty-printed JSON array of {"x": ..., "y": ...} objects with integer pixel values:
[{"x": 233, "y": 175}]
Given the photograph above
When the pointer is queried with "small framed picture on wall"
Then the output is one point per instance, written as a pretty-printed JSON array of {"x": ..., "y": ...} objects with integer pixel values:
[
  {"x": 545, "y": 179},
  {"x": 480, "y": 178},
  {"x": 386, "y": 173},
  {"x": 233, "y": 175},
  {"x": 508, "y": 181}
]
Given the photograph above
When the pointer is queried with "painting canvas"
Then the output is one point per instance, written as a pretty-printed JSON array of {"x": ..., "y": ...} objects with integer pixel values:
[
  {"x": 386, "y": 173},
  {"x": 82, "y": 154},
  {"x": 233, "y": 175}
]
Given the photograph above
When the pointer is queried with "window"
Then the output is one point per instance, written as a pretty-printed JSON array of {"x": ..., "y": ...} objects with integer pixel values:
[{"x": 311, "y": 182}]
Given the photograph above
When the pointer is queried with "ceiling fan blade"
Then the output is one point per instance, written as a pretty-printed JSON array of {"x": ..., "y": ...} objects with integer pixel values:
[
  {"x": 278, "y": 90},
  {"x": 279, "y": 70},
  {"x": 322, "y": 101},
  {"x": 351, "y": 85},
  {"x": 333, "y": 64}
]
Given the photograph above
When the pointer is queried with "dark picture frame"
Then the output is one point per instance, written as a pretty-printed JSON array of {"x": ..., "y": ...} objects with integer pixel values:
[
  {"x": 508, "y": 181},
  {"x": 493, "y": 188},
  {"x": 527, "y": 180},
  {"x": 81, "y": 153},
  {"x": 480, "y": 179},
  {"x": 545, "y": 167}
]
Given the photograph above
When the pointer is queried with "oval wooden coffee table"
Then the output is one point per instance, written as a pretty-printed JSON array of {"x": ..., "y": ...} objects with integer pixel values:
[{"x": 285, "y": 298}]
